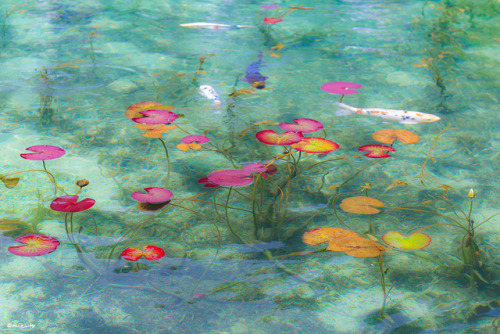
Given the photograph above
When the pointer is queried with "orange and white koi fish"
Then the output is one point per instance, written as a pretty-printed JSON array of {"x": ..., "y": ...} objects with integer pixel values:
[
  {"x": 207, "y": 25},
  {"x": 393, "y": 115}
]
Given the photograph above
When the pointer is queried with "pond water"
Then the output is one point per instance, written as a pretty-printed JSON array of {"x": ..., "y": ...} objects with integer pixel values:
[{"x": 237, "y": 258}]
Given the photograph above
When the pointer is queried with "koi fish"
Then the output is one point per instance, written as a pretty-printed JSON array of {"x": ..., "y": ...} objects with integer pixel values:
[
  {"x": 394, "y": 115},
  {"x": 210, "y": 93},
  {"x": 253, "y": 76},
  {"x": 207, "y": 25}
]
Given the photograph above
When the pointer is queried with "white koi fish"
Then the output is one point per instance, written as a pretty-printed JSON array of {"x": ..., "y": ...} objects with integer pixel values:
[
  {"x": 393, "y": 115},
  {"x": 207, "y": 25},
  {"x": 210, "y": 93}
]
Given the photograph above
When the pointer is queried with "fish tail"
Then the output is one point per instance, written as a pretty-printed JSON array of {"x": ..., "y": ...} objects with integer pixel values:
[{"x": 345, "y": 109}]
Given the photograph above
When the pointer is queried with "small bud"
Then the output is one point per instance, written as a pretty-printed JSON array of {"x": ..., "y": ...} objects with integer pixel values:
[
  {"x": 82, "y": 183},
  {"x": 471, "y": 194}
]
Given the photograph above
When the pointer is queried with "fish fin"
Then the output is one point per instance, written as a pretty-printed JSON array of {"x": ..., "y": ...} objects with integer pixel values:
[
  {"x": 343, "y": 112},
  {"x": 346, "y": 110}
]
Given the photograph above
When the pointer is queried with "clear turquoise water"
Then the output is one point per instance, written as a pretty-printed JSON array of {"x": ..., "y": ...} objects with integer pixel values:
[{"x": 70, "y": 69}]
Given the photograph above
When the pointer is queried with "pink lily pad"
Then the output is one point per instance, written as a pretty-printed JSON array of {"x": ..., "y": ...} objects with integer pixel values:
[
  {"x": 272, "y": 138},
  {"x": 269, "y": 6},
  {"x": 69, "y": 203},
  {"x": 151, "y": 253},
  {"x": 43, "y": 152},
  {"x": 154, "y": 195},
  {"x": 195, "y": 138},
  {"x": 34, "y": 245},
  {"x": 376, "y": 151},
  {"x": 341, "y": 87},
  {"x": 259, "y": 167},
  {"x": 315, "y": 145},
  {"x": 416, "y": 240},
  {"x": 272, "y": 20},
  {"x": 303, "y": 125},
  {"x": 231, "y": 178},
  {"x": 156, "y": 116}
]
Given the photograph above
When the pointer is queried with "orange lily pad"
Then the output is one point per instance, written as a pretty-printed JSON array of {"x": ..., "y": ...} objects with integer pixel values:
[
  {"x": 327, "y": 234},
  {"x": 315, "y": 145},
  {"x": 416, "y": 240},
  {"x": 361, "y": 204},
  {"x": 360, "y": 247},
  {"x": 388, "y": 136}
]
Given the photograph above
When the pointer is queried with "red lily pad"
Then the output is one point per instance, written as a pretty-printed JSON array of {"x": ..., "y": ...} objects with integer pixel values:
[
  {"x": 43, "y": 152},
  {"x": 341, "y": 87},
  {"x": 34, "y": 245},
  {"x": 151, "y": 253},
  {"x": 303, "y": 125},
  {"x": 156, "y": 116},
  {"x": 207, "y": 182},
  {"x": 315, "y": 145},
  {"x": 272, "y": 20},
  {"x": 69, "y": 203},
  {"x": 272, "y": 138},
  {"x": 376, "y": 151},
  {"x": 231, "y": 178},
  {"x": 154, "y": 195},
  {"x": 195, "y": 138},
  {"x": 416, "y": 240}
]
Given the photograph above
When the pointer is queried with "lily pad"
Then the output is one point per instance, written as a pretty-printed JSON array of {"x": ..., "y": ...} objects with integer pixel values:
[
  {"x": 416, "y": 240},
  {"x": 361, "y": 204},
  {"x": 315, "y": 145}
]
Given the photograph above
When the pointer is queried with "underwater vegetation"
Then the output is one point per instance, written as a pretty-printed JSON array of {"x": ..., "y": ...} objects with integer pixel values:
[{"x": 250, "y": 198}]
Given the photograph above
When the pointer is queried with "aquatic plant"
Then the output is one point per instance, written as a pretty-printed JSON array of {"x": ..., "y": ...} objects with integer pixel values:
[
  {"x": 376, "y": 151},
  {"x": 34, "y": 245},
  {"x": 341, "y": 88},
  {"x": 150, "y": 253}
]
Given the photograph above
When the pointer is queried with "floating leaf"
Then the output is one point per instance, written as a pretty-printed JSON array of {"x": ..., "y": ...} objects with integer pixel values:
[
  {"x": 154, "y": 195},
  {"x": 151, "y": 253},
  {"x": 9, "y": 182},
  {"x": 303, "y": 125},
  {"x": 272, "y": 20},
  {"x": 43, "y": 152},
  {"x": 376, "y": 151},
  {"x": 272, "y": 138},
  {"x": 315, "y": 145},
  {"x": 34, "y": 245},
  {"x": 195, "y": 138},
  {"x": 156, "y": 116},
  {"x": 259, "y": 167},
  {"x": 341, "y": 87},
  {"x": 154, "y": 130},
  {"x": 134, "y": 110},
  {"x": 360, "y": 247},
  {"x": 388, "y": 136},
  {"x": 327, "y": 234},
  {"x": 231, "y": 178},
  {"x": 416, "y": 240},
  {"x": 69, "y": 203},
  {"x": 361, "y": 204}
]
